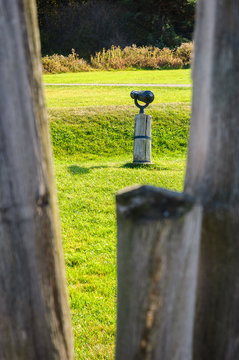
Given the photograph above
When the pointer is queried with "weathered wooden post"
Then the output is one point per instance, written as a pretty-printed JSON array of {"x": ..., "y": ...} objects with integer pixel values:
[
  {"x": 34, "y": 312},
  {"x": 213, "y": 177},
  {"x": 158, "y": 246},
  {"x": 142, "y": 128}
]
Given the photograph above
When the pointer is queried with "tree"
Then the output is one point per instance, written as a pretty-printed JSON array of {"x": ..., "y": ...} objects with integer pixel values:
[
  {"x": 162, "y": 22},
  {"x": 85, "y": 27},
  {"x": 90, "y": 25},
  {"x": 34, "y": 312}
]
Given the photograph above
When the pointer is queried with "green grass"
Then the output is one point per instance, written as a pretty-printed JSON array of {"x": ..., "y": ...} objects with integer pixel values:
[
  {"x": 92, "y": 135},
  {"x": 180, "y": 76},
  {"x": 86, "y": 192},
  {"x": 92, "y": 156},
  {"x": 62, "y": 96},
  {"x": 109, "y": 130}
]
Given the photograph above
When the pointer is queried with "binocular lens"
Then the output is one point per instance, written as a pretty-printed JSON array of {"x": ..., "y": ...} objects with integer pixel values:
[{"x": 145, "y": 96}]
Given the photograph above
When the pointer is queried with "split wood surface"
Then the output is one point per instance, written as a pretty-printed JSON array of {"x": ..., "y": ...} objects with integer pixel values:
[
  {"x": 34, "y": 312},
  {"x": 213, "y": 178},
  {"x": 158, "y": 247}
]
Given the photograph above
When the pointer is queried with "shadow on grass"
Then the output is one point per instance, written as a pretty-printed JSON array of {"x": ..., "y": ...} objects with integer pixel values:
[
  {"x": 78, "y": 170},
  {"x": 144, "y": 166}
]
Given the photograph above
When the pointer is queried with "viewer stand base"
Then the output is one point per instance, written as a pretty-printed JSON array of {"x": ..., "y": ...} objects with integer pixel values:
[{"x": 142, "y": 139}]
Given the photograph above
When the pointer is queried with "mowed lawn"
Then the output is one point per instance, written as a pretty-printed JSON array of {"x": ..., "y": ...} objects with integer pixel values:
[
  {"x": 92, "y": 143},
  {"x": 86, "y": 192},
  {"x": 78, "y": 96},
  {"x": 180, "y": 76}
]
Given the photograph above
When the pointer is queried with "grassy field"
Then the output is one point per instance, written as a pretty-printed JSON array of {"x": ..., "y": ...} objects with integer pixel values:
[
  {"x": 86, "y": 192},
  {"x": 61, "y": 96},
  {"x": 93, "y": 160},
  {"x": 108, "y": 131},
  {"x": 122, "y": 77}
]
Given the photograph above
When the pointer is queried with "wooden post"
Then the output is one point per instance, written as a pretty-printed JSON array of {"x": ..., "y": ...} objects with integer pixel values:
[
  {"x": 158, "y": 245},
  {"x": 213, "y": 177},
  {"x": 142, "y": 139},
  {"x": 34, "y": 313}
]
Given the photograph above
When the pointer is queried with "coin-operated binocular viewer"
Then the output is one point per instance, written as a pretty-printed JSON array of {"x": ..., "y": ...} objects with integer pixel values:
[{"x": 142, "y": 127}]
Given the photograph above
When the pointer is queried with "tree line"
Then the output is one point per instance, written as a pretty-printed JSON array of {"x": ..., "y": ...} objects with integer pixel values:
[{"x": 91, "y": 25}]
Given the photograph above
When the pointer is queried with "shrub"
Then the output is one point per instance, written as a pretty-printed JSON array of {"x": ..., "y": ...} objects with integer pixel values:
[
  {"x": 147, "y": 57},
  {"x": 144, "y": 57},
  {"x": 184, "y": 52},
  {"x": 60, "y": 64}
]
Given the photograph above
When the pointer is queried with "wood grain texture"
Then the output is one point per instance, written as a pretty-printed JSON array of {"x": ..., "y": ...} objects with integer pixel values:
[
  {"x": 213, "y": 177},
  {"x": 213, "y": 171},
  {"x": 142, "y": 146},
  {"x": 35, "y": 321},
  {"x": 158, "y": 246}
]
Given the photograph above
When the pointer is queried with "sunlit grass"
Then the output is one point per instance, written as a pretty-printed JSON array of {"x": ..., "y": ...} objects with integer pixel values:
[
  {"x": 180, "y": 76},
  {"x": 93, "y": 148},
  {"x": 104, "y": 96},
  {"x": 86, "y": 192}
]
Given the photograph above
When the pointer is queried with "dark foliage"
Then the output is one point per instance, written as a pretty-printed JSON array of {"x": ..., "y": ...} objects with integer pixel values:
[{"x": 90, "y": 25}]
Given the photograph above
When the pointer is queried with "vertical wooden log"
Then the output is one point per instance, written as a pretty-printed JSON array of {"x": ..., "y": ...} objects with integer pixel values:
[
  {"x": 142, "y": 139},
  {"x": 35, "y": 321},
  {"x": 213, "y": 177},
  {"x": 158, "y": 242}
]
